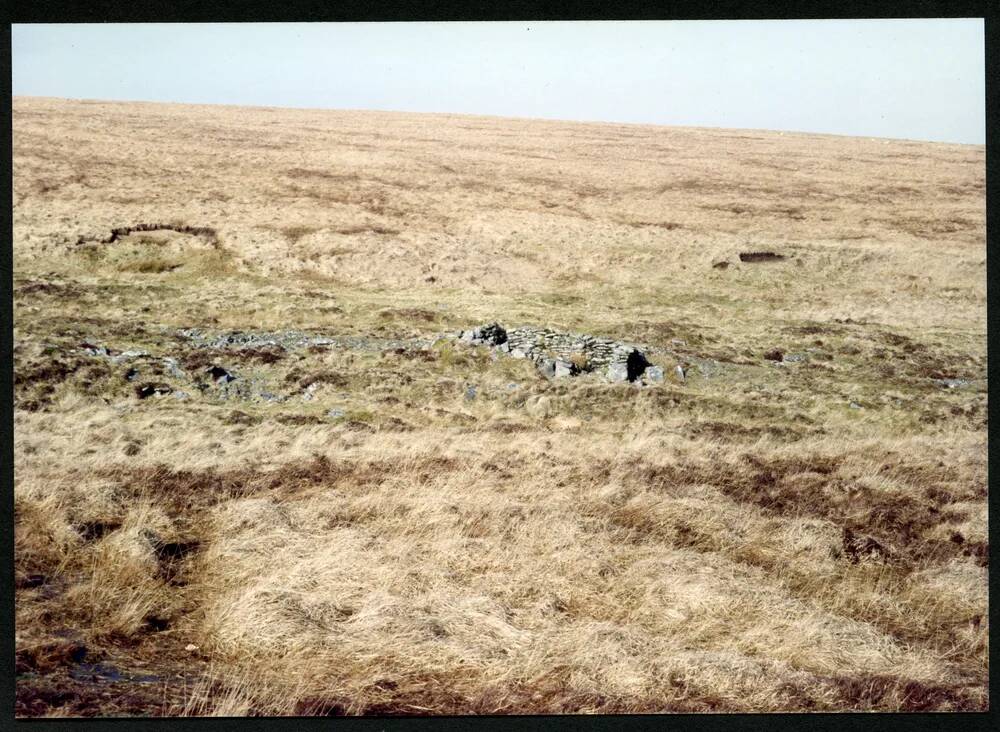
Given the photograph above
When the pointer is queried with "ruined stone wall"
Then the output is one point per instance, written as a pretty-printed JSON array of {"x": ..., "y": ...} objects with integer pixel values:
[
  {"x": 598, "y": 352},
  {"x": 560, "y": 354}
]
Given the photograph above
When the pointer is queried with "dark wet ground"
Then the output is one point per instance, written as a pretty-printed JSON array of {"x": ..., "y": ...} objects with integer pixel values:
[
  {"x": 100, "y": 672},
  {"x": 65, "y": 678}
]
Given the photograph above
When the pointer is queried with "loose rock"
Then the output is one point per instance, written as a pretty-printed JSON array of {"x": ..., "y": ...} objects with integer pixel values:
[
  {"x": 617, "y": 372},
  {"x": 547, "y": 367},
  {"x": 952, "y": 383},
  {"x": 563, "y": 369},
  {"x": 219, "y": 375},
  {"x": 128, "y": 356},
  {"x": 144, "y": 391}
]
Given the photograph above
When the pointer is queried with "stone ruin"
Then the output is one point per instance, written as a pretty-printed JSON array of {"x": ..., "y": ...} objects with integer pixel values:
[{"x": 560, "y": 355}]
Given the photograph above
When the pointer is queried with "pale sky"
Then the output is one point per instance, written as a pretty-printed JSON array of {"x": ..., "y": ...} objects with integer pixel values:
[{"x": 921, "y": 79}]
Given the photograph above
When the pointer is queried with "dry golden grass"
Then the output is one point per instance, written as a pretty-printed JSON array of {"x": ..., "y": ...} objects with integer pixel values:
[{"x": 564, "y": 546}]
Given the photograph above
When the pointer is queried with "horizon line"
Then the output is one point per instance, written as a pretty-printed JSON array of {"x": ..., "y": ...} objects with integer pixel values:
[{"x": 806, "y": 133}]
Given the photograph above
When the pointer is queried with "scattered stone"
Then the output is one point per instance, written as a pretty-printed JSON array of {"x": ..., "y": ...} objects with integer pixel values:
[
  {"x": 144, "y": 391},
  {"x": 190, "y": 647},
  {"x": 173, "y": 368},
  {"x": 491, "y": 334},
  {"x": 92, "y": 350},
  {"x": 219, "y": 375},
  {"x": 181, "y": 395},
  {"x": 680, "y": 373},
  {"x": 617, "y": 372},
  {"x": 952, "y": 383},
  {"x": 775, "y": 354},
  {"x": 654, "y": 374},
  {"x": 539, "y": 406},
  {"x": 335, "y": 413},
  {"x": 292, "y": 340},
  {"x": 547, "y": 367},
  {"x": 563, "y": 369},
  {"x": 722, "y": 264},
  {"x": 855, "y": 405},
  {"x": 128, "y": 356},
  {"x": 794, "y": 357},
  {"x": 707, "y": 367},
  {"x": 470, "y": 393}
]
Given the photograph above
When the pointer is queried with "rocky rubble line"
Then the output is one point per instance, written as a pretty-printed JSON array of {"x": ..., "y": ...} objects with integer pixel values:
[
  {"x": 223, "y": 381},
  {"x": 226, "y": 383},
  {"x": 556, "y": 354},
  {"x": 292, "y": 339}
]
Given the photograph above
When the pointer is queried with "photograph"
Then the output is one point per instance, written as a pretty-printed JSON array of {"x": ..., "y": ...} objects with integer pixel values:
[{"x": 499, "y": 368}]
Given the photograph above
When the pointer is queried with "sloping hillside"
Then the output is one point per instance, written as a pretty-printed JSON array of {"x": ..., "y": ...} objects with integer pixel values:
[{"x": 258, "y": 472}]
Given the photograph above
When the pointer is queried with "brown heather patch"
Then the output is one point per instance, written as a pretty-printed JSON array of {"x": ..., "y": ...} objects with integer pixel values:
[
  {"x": 49, "y": 372},
  {"x": 426, "y": 316},
  {"x": 47, "y": 657},
  {"x": 735, "y": 431},
  {"x": 298, "y": 419},
  {"x": 55, "y": 289},
  {"x": 185, "y": 492},
  {"x": 809, "y": 486},
  {"x": 263, "y": 355},
  {"x": 894, "y": 694},
  {"x": 60, "y": 695},
  {"x": 198, "y": 359},
  {"x": 328, "y": 378}
]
